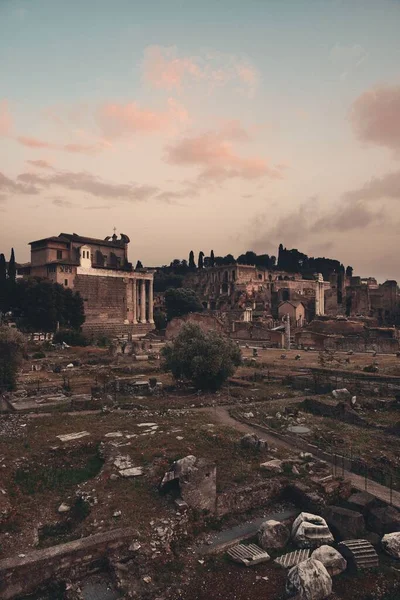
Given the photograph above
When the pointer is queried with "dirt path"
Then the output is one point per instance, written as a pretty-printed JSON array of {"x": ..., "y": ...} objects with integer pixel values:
[{"x": 221, "y": 415}]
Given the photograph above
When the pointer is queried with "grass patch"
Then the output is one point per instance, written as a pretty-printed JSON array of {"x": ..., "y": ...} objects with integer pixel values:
[{"x": 43, "y": 478}]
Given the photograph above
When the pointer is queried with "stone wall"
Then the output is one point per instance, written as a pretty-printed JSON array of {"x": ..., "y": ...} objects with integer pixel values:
[
  {"x": 23, "y": 575},
  {"x": 249, "y": 497},
  {"x": 104, "y": 298}
]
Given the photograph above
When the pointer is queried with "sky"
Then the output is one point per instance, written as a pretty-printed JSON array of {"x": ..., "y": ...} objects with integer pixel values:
[{"x": 229, "y": 125}]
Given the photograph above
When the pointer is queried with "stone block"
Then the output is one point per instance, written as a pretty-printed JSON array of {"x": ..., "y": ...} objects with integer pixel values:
[
  {"x": 347, "y": 523},
  {"x": 309, "y": 580},
  {"x": 273, "y": 534},
  {"x": 361, "y": 502},
  {"x": 383, "y": 519}
]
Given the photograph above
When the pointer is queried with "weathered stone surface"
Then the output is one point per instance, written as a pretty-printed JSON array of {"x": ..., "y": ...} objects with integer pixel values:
[
  {"x": 309, "y": 580},
  {"x": 274, "y": 466},
  {"x": 251, "y": 440},
  {"x": 310, "y": 531},
  {"x": 384, "y": 519},
  {"x": 342, "y": 394},
  {"x": 360, "y": 554},
  {"x": 248, "y": 555},
  {"x": 293, "y": 558},
  {"x": 361, "y": 502},
  {"x": 332, "y": 560},
  {"x": 273, "y": 534},
  {"x": 197, "y": 481},
  {"x": 67, "y": 437},
  {"x": 391, "y": 544},
  {"x": 348, "y": 523}
]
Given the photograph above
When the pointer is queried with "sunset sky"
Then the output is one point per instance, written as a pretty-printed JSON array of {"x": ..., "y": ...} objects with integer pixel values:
[{"x": 186, "y": 124}]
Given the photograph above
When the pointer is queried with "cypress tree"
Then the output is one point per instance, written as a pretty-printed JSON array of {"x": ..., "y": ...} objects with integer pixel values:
[
  {"x": 212, "y": 259},
  {"x": 192, "y": 264},
  {"x": 200, "y": 262},
  {"x": 12, "y": 269},
  {"x": 3, "y": 284}
]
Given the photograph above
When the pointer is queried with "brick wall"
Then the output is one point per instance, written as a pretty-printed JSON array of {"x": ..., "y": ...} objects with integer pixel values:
[{"x": 105, "y": 298}]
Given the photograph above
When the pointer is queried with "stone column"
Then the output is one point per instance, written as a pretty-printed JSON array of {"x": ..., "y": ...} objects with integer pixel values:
[
  {"x": 151, "y": 301},
  {"x": 143, "y": 301},
  {"x": 134, "y": 300}
]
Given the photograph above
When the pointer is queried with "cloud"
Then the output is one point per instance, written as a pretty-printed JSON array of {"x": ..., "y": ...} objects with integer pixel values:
[
  {"x": 311, "y": 221},
  {"x": 6, "y": 122},
  {"x": 387, "y": 186},
  {"x": 126, "y": 119},
  {"x": 350, "y": 216},
  {"x": 37, "y": 144},
  {"x": 375, "y": 117},
  {"x": 40, "y": 164},
  {"x": 8, "y": 186},
  {"x": 214, "y": 153},
  {"x": 164, "y": 68},
  {"x": 85, "y": 182},
  {"x": 32, "y": 142},
  {"x": 62, "y": 203}
]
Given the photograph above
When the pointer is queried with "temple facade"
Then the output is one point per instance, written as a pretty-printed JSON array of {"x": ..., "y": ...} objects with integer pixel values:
[{"x": 117, "y": 298}]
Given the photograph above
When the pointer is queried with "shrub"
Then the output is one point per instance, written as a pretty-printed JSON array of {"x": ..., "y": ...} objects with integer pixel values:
[
  {"x": 70, "y": 337},
  {"x": 206, "y": 359},
  {"x": 37, "y": 355},
  {"x": 12, "y": 350}
]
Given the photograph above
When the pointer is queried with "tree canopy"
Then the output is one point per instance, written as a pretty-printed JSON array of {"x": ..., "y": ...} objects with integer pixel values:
[
  {"x": 205, "y": 358},
  {"x": 181, "y": 301}
]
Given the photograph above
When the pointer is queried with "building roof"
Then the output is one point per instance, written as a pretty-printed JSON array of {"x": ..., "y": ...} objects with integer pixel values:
[
  {"x": 67, "y": 238},
  {"x": 294, "y": 303}
]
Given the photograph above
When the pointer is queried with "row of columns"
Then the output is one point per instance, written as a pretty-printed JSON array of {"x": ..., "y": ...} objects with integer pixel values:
[{"x": 140, "y": 301}]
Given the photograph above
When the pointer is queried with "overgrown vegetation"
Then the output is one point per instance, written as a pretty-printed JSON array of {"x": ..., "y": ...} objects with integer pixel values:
[
  {"x": 12, "y": 349},
  {"x": 206, "y": 359}
]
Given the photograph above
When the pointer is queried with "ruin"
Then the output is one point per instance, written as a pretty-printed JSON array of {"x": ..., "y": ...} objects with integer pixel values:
[{"x": 117, "y": 298}]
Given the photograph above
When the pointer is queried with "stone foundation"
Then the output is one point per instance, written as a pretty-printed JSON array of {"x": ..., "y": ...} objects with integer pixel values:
[{"x": 23, "y": 575}]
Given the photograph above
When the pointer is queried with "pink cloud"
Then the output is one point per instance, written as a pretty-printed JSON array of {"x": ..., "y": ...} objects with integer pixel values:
[
  {"x": 164, "y": 68},
  {"x": 75, "y": 148},
  {"x": 32, "y": 142},
  {"x": 122, "y": 119},
  {"x": 5, "y": 118},
  {"x": 41, "y": 164},
  {"x": 375, "y": 116},
  {"x": 217, "y": 157}
]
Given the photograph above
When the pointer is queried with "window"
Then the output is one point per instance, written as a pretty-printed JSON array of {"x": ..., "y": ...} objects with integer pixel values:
[
  {"x": 59, "y": 254},
  {"x": 66, "y": 282}
]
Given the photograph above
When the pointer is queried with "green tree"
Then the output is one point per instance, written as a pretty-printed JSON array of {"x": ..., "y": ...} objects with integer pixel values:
[
  {"x": 206, "y": 359},
  {"x": 160, "y": 320},
  {"x": 212, "y": 259},
  {"x": 138, "y": 265},
  {"x": 42, "y": 305},
  {"x": 11, "y": 277},
  {"x": 192, "y": 264},
  {"x": 200, "y": 262},
  {"x": 12, "y": 349},
  {"x": 3, "y": 284},
  {"x": 180, "y": 301}
]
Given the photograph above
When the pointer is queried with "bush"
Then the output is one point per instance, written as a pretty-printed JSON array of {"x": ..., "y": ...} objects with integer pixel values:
[
  {"x": 70, "y": 337},
  {"x": 206, "y": 359},
  {"x": 160, "y": 320},
  {"x": 36, "y": 355},
  {"x": 12, "y": 350}
]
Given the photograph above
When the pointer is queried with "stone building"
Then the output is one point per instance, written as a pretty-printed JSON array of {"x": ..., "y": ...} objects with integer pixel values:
[
  {"x": 295, "y": 310},
  {"x": 231, "y": 287},
  {"x": 117, "y": 298}
]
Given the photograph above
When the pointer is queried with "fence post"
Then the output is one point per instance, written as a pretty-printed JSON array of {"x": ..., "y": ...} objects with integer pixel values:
[{"x": 391, "y": 489}]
